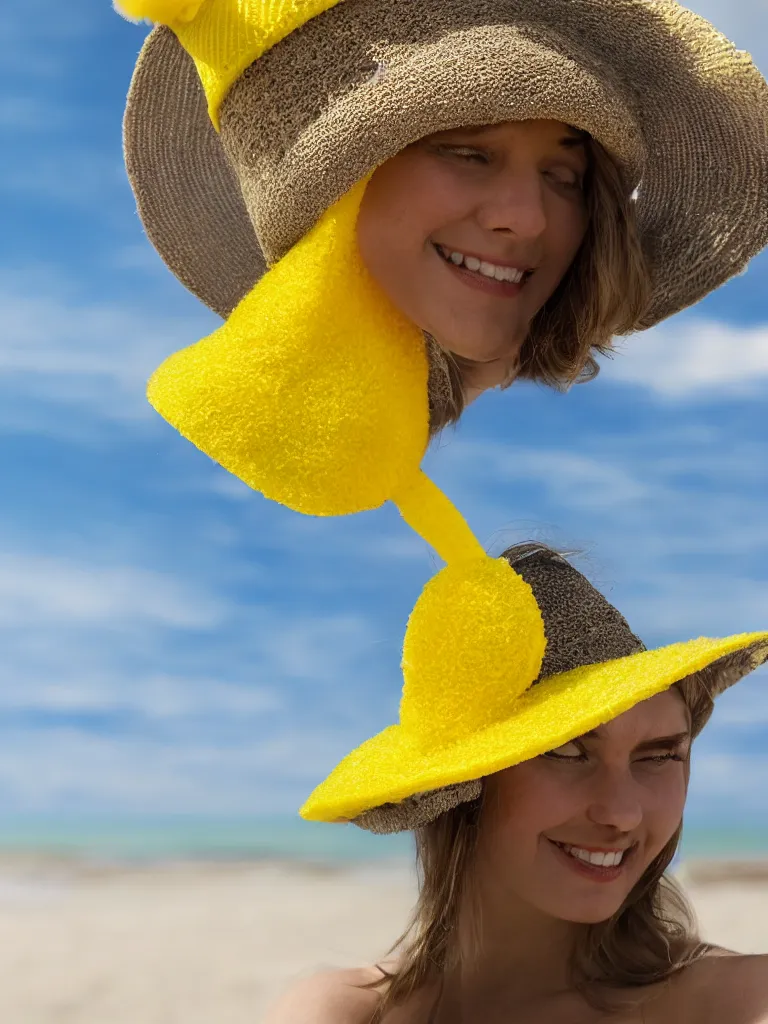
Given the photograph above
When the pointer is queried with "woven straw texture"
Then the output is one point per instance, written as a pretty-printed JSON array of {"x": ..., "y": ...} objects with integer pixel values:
[
  {"x": 594, "y": 669},
  {"x": 682, "y": 111}
]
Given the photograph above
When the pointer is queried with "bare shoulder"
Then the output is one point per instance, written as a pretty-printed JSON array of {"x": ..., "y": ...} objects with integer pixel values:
[
  {"x": 725, "y": 986},
  {"x": 331, "y": 997}
]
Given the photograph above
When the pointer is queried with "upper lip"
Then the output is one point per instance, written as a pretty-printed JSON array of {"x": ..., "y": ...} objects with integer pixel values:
[{"x": 523, "y": 267}]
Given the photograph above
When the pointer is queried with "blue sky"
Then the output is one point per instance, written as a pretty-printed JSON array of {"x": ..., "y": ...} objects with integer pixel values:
[{"x": 172, "y": 641}]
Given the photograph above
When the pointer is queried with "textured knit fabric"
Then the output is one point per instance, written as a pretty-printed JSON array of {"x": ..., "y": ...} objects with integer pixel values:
[
  {"x": 684, "y": 114},
  {"x": 594, "y": 669},
  {"x": 284, "y": 396}
]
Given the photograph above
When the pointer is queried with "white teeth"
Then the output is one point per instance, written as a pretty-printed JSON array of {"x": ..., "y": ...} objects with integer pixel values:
[
  {"x": 484, "y": 267},
  {"x": 605, "y": 860}
]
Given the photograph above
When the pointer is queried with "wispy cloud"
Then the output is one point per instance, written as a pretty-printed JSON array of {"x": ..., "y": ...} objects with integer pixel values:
[
  {"x": 71, "y": 177},
  {"x": 155, "y": 698},
  {"x": 90, "y": 357},
  {"x": 674, "y": 519},
  {"x": 729, "y": 785},
  {"x": 694, "y": 359},
  {"x": 36, "y": 36},
  {"x": 24, "y": 113},
  {"x": 170, "y": 641},
  {"x": 67, "y": 769},
  {"x": 40, "y": 591},
  {"x": 745, "y": 705}
]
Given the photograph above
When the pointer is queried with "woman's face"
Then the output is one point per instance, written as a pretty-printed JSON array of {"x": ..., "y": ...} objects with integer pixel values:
[
  {"x": 617, "y": 792},
  {"x": 448, "y": 226}
]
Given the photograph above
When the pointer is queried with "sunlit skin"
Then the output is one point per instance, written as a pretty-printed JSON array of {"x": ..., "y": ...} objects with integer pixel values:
[
  {"x": 511, "y": 194},
  {"x": 523, "y": 908},
  {"x": 622, "y": 787}
]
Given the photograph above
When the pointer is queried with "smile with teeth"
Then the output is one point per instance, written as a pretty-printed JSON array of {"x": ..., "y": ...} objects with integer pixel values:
[
  {"x": 482, "y": 267},
  {"x": 600, "y": 859}
]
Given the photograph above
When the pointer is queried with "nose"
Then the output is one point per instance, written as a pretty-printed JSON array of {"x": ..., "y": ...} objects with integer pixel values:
[
  {"x": 514, "y": 203},
  {"x": 615, "y": 801}
]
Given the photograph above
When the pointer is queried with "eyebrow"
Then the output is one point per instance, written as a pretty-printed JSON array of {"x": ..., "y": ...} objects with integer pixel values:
[
  {"x": 571, "y": 141},
  {"x": 659, "y": 743}
]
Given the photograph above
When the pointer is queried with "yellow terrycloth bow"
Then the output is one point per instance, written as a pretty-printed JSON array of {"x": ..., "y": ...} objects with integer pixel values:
[
  {"x": 224, "y": 36},
  {"x": 314, "y": 392}
]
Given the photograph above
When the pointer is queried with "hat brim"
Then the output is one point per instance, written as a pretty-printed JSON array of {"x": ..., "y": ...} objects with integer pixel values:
[
  {"x": 701, "y": 106},
  {"x": 187, "y": 193},
  {"x": 393, "y": 765}
]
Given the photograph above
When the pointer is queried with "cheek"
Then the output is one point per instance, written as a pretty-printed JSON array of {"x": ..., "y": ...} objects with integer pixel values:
[
  {"x": 569, "y": 230},
  {"x": 390, "y": 240},
  {"x": 664, "y": 805},
  {"x": 407, "y": 202},
  {"x": 526, "y": 803},
  {"x": 391, "y": 209}
]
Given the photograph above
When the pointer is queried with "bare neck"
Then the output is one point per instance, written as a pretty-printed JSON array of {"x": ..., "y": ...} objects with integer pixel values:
[{"x": 511, "y": 955}]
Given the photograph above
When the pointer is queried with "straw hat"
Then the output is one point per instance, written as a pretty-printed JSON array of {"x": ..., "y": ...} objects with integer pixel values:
[
  {"x": 459, "y": 722},
  {"x": 311, "y": 95}
]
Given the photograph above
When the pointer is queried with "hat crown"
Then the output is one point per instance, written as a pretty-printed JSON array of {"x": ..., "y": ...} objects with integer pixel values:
[
  {"x": 474, "y": 644},
  {"x": 224, "y": 36},
  {"x": 500, "y": 633},
  {"x": 582, "y": 627}
]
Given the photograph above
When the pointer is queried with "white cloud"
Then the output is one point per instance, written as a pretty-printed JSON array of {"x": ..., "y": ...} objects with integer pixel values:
[
  {"x": 37, "y": 591},
  {"x": 729, "y": 784},
  {"x": 20, "y": 113},
  {"x": 36, "y": 36},
  {"x": 745, "y": 705},
  {"x": 693, "y": 359},
  {"x": 77, "y": 177},
  {"x": 577, "y": 478},
  {"x": 155, "y": 698},
  {"x": 678, "y": 605},
  {"x": 675, "y": 518},
  {"x": 95, "y": 357},
  {"x": 68, "y": 768},
  {"x": 320, "y": 647}
]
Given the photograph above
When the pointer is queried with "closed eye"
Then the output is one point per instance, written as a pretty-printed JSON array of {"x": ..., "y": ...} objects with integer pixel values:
[
  {"x": 465, "y": 153},
  {"x": 581, "y": 755},
  {"x": 662, "y": 758},
  {"x": 576, "y": 184},
  {"x": 577, "y": 753}
]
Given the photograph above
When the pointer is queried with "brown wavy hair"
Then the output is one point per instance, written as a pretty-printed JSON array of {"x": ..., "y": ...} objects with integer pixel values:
[
  {"x": 604, "y": 293},
  {"x": 650, "y": 938}
]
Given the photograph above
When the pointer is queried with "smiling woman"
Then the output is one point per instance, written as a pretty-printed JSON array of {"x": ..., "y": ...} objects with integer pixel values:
[
  {"x": 588, "y": 144},
  {"x": 514, "y": 247},
  {"x": 544, "y": 827}
]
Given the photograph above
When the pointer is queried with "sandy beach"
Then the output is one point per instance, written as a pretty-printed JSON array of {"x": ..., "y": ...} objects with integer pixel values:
[{"x": 201, "y": 943}]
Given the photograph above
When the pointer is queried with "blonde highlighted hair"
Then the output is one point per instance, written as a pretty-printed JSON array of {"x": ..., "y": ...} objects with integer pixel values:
[
  {"x": 649, "y": 939},
  {"x": 604, "y": 293}
]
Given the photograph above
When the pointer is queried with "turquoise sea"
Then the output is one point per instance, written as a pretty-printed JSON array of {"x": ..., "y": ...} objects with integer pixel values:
[{"x": 103, "y": 838}]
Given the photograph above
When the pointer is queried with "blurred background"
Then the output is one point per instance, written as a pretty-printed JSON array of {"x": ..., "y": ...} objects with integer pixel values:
[{"x": 182, "y": 662}]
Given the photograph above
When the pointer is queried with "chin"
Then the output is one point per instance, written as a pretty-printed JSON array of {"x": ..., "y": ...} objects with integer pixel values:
[
  {"x": 480, "y": 351},
  {"x": 595, "y": 915},
  {"x": 591, "y": 906}
]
